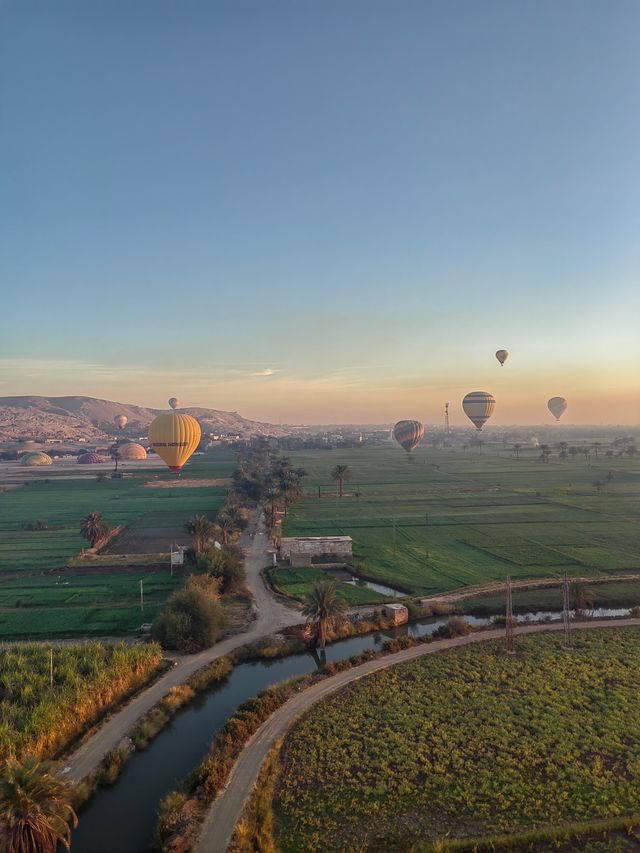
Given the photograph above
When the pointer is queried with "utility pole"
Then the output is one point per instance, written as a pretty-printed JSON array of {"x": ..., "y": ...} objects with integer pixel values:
[
  {"x": 51, "y": 668},
  {"x": 141, "y": 598},
  {"x": 510, "y": 648},
  {"x": 566, "y": 613},
  {"x": 394, "y": 537},
  {"x": 426, "y": 547}
]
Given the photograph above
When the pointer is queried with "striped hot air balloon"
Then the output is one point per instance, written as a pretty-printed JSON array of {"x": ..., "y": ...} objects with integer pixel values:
[
  {"x": 174, "y": 437},
  {"x": 408, "y": 434},
  {"x": 121, "y": 421},
  {"x": 502, "y": 355},
  {"x": 557, "y": 407},
  {"x": 478, "y": 407}
]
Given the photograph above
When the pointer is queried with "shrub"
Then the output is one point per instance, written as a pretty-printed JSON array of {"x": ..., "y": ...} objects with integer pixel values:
[
  {"x": 189, "y": 621},
  {"x": 455, "y": 627}
]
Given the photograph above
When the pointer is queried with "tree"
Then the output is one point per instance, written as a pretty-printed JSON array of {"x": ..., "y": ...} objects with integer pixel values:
[
  {"x": 190, "y": 620},
  {"x": 583, "y": 599},
  {"x": 516, "y": 450},
  {"x": 93, "y": 528},
  {"x": 341, "y": 473},
  {"x": 35, "y": 807},
  {"x": 323, "y": 608},
  {"x": 202, "y": 531},
  {"x": 225, "y": 527}
]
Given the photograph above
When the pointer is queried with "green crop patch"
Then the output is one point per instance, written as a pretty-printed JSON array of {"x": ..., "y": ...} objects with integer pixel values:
[
  {"x": 467, "y": 743},
  {"x": 451, "y": 518}
]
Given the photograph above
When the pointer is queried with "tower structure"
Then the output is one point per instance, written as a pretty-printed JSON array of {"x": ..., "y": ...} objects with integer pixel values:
[
  {"x": 566, "y": 612},
  {"x": 447, "y": 431},
  {"x": 510, "y": 647}
]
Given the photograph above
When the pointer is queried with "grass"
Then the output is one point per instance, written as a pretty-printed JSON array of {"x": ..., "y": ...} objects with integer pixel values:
[
  {"x": 466, "y": 518},
  {"x": 467, "y": 743},
  {"x": 47, "y": 590},
  {"x": 297, "y": 582}
]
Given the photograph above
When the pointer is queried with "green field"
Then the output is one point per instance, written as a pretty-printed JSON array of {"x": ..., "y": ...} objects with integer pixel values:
[
  {"x": 467, "y": 743},
  {"x": 463, "y": 518},
  {"x": 296, "y": 583},
  {"x": 45, "y": 591},
  {"x": 87, "y": 680}
]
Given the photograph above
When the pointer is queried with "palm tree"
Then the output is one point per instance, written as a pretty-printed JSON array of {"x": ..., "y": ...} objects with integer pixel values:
[
  {"x": 225, "y": 527},
  {"x": 341, "y": 473},
  {"x": 323, "y": 607},
  {"x": 202, "y": 531},
  {"x": 93, "y": 528},
  {"x": 35, "y": 808}
]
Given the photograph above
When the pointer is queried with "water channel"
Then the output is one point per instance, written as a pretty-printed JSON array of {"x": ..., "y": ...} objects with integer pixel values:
[{"x": 121, "y": 819}]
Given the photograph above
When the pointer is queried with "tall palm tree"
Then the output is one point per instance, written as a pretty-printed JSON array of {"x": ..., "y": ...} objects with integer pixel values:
[
  {"x": 341, "y": 473},
  {"x": 35, "y": 807},
  {"x": 93, "y": 527},
  {"x": 225, "y": 527},
  {"x": 323, "y": 608},
  {"x": 202, "y": 531}
]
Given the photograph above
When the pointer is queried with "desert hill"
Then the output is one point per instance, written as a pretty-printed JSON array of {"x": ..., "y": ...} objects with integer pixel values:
[{"x": 41, "y": 419}]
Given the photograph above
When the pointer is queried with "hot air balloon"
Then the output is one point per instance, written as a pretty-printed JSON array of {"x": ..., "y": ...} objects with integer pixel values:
[
  {"x": 502, "y": 355},
  {"x": 131, "y": 450},
  {"x": 557, "y": 406},
  {"x": 174, "y": 437},
  {"x": 174, "y": 402},
  {"x": 478, "y": 407},
  {"x": 408, "y": 434},
  {"x": 36, "y": 458},
  {"x": 121, "y": 421}
]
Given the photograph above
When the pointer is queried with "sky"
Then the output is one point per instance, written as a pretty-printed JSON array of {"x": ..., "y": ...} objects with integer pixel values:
[{"x": 315, "y": 212}]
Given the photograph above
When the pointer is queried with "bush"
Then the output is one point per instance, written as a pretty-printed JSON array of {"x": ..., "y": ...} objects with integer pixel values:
[
  {"x": 455, "y": 627},
  {"x": 189, "y": 622}
]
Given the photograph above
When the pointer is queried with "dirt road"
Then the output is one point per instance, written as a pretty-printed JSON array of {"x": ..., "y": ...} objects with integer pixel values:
[
  {"x": 226, "y": 811},
  {"x": 270, "y": 616}
]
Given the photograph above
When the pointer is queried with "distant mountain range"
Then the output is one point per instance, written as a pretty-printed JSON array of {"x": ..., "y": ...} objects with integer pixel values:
[{"x": 42, "y": 419}]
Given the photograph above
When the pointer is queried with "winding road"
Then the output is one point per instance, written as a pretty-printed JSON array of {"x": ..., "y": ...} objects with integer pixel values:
[
  {"x": 270, "y": 617},
  {"x": 226, "y": 811}
]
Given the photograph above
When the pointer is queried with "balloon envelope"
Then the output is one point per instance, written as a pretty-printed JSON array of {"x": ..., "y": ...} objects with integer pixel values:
[
  {"x": 36, "y": 458},
  {"x": 131, "y": 450},
  {"x": 174, "y": 402},
  {"x": 121, "y": 421},
  {"x": 502, "y": 355},
  {"x": 174, "y": 437},
  {"x": 557, "y": 406},
  {"x": 408, "y": 434},
  {"x": 478, "y": 406}
]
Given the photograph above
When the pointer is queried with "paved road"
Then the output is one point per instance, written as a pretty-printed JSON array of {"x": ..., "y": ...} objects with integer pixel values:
[
  {"x": 271, "y": 616},
  {"x": 226, "y": 811}
]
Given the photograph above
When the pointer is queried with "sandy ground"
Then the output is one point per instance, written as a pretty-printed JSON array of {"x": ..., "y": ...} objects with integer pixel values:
[{"x": 188, "y": 484}]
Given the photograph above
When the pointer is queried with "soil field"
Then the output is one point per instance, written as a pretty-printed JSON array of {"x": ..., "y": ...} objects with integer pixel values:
[
  {"x": 466, "y": 744},
  {"x": 449, "y": 518}
]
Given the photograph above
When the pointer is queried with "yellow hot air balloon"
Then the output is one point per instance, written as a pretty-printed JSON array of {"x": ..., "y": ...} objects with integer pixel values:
[
  {"x": 174, "y": 437},
  {"x": 478, "y": 407},
  {"x": 502, "y": 355},
  {"x": 174, "y": 402},
  {"x": 121, "y": 421},
  {"x": 557, "y": 406}
]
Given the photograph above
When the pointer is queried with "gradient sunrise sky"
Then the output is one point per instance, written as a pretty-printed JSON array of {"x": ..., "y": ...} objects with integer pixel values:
[{"x": 323, "y": 211}]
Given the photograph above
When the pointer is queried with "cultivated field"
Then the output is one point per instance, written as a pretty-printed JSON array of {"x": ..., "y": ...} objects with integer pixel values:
[
  {"x": 463, "y": 518},
  {"x": 87, "y": 680},
  {"x": 467, "y": 743},
  {"x": 46, "y": 591}
]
